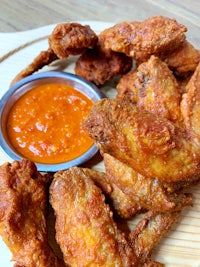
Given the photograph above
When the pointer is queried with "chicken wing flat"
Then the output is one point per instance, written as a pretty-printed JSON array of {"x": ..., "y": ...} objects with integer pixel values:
[
  {"x": 23, "y": 210},
  {"x": 120, "y": 203},
  {"x": 183, "y": 60},
  {"x": 152, "y": 36},
  {"x": 71, "y": 39},
  {"x": 143, "y": 191},
  {"x": 99, "y": 65},
  {"x": 153, "y": 146},
  {"x": 154, "y": 88},
  {"x": 149, "y": 231},
  {"x": 99, "y": 178},
  {"x": 191, "y": 102},
  {"x": 85, "y": 229}
]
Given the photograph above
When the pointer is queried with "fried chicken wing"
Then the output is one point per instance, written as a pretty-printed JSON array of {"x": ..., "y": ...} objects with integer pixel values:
[
  {"x": 99, "y": 65},
  {"x": 145, "y": 192},
  {"x": 71, "y": 39},
  {"x": 152, "y": 36},
  {"x": 120, "y": 203},
  {"x": 154, "y": 88},
  {"x": 23, "y": 210},
  {"x": 85, "y": 229},
  {"x": 149, "y": 231},
  {"x": 99, "y": 178},
  {"x": 66, "y": 39},
  {"x": 183, "y": 60},
  {"x": 190, "y": 103},
  {"x": 153, "y": 146}
]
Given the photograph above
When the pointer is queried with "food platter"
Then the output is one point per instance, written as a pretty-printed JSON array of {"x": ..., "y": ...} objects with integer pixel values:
[{"x": 181, "y": 246}]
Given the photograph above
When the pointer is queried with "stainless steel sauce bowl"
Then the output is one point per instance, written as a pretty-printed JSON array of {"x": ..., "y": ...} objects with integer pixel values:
[{"x": 30, "y": 82}]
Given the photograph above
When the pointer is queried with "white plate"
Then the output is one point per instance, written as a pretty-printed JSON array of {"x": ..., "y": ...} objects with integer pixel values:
[{"x": 181, "y": 247}]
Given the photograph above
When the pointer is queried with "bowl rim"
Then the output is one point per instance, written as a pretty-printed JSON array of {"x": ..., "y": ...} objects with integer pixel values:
[{"x": 45, "y": 167}]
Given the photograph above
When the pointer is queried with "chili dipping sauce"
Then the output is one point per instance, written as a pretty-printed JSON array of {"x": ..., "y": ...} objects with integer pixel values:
[{"x": 44, "y": 125}]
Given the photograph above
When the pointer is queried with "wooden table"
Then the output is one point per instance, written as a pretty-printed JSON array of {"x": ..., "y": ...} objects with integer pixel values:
[
  {"x": 181, "y": 247},
  {"x": 23, "y": 15}
]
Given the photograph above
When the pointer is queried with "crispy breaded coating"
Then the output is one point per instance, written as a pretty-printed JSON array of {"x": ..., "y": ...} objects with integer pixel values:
[
  {"x": 71, "y": 39},
  {"x": 99, "y": 178},
  {"x": 153, "y": 146},
  {"x": 99, "y": 65},
  {"x": 154, "y": 88},
  {"x": 120, "y": 203},
  {"x": 154, "y": 35},
  {"x": 145, "y": 192},
  {"x": 183, "y": 60},
  {"x": 23, "y": 211},
  {"x": 191, "y": 102},
  {"x": 149, "y": 231},
  {"x": 66, "y": 39},
  {"x": 150, "y": 263},
  {"x": 85, "y": 229}
]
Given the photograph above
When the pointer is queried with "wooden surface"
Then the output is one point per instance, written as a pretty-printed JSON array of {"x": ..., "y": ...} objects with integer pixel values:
[
  {"x": 20, "y": 15},
  {"x": 181, "y": 247}
]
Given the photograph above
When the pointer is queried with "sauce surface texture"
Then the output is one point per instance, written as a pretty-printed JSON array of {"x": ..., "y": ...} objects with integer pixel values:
[{"x": 44, "y": 125}]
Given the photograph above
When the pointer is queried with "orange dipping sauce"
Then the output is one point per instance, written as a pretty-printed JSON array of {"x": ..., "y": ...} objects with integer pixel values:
[{"x": 44, "y": 125}]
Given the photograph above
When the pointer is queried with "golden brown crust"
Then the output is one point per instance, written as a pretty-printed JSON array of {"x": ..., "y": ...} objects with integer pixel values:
[
  {"x": 23, "y": 213},
  {"x": 150, "y": 263},
  {"x": 71, "y": 39},
  {"x": 66, "y": 39},
  {"x": 121, "y": 204},
  {"x": 145, "y": 192},
  {"x": 153, "y": 88},
  {"x": 183, "y": 60},
  {"x": 149, "y": 231},
  {"x": 85, "y": 229},
  {"x": 153, "y": 146},
  {"x": 190, "y": 103},
  {"x": 99, "y": 66},
  {"x": 152, "y": 36}
]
